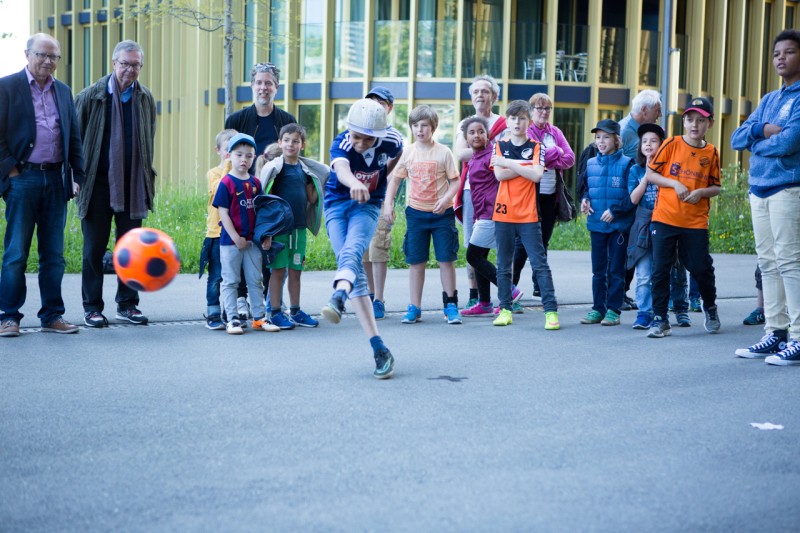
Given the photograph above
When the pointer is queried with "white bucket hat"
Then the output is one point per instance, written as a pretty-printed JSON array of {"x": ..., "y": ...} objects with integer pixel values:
[{"x": 367, "y": 117}]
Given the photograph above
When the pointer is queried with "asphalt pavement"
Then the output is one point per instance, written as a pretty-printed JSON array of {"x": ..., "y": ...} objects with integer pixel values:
[{"x": 172, "y": 427}]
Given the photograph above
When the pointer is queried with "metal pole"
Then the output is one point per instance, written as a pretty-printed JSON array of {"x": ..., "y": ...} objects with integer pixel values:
[{"x": 666, "y": 48}]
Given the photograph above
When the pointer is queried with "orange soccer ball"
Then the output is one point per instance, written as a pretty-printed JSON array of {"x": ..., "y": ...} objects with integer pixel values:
[{"x": 146, "y": 259}]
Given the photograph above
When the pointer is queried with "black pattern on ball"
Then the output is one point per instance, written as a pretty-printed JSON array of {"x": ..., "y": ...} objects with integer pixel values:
[
  {"x": 135, "y": 285},
  {"x": 156, "y": 267}
]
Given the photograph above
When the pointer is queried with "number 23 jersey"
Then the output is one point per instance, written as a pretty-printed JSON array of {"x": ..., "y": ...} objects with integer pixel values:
[{"x": 516, "y": 198}]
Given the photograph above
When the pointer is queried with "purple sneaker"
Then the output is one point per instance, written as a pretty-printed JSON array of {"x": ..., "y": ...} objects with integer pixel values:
[{"x": 478, "y": 309}]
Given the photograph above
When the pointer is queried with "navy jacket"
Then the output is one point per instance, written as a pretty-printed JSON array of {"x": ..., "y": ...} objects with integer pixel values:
[
  {"x": 273, "y": 217},
  {"x": 18, "y": 130}
]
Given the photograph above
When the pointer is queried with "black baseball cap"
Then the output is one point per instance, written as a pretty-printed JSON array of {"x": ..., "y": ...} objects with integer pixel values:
[
  {"x": 607, "y": 125},
  {"x": 651, "y": 128},
  {"x": 381, "y": 92},
  {"x": 701, "y": 105}
]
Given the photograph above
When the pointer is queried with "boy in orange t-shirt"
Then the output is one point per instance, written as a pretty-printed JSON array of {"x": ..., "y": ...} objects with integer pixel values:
[
  {"x": 686, "y": 170},
  {"x": 518, "y": 164}
]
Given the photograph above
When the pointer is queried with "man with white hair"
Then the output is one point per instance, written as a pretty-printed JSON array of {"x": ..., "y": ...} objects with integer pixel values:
[
  {"x": 645, "y": 109},
  {"x": 41, "y": 168},
  {"x": 117, "y": 115}
]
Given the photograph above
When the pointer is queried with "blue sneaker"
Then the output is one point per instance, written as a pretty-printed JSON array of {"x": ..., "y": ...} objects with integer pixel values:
[
  {"x": 451, "y": 314},
  {"x": 282, "y": 321},
  {"x": 414, "y": 314},
  {"x": 302, "y": 319},
  {"x": 212, "y": 322},
  {"x": 379, "y": 309},
  {"x": 643, "y": 321},
  {"x": 790, "y": 355}
]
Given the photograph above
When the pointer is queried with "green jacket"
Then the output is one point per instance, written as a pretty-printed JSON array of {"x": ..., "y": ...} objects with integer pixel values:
[
  {"x": 90, "y": 106},
  {"x": 318, "y": 173}
]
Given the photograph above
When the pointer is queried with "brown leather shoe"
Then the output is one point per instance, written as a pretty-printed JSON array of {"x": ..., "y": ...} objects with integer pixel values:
[
  {"x": 9, "y": 328},
  {"x": 60, "y": 325}
]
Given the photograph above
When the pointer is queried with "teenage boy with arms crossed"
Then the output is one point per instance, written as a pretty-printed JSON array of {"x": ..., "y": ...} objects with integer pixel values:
[
  {"x": 353, "y": 197},
  {"x": 772, "y": 134},
  {"x": 518, "y": 164},
  {"x": 686, "y": 170},
  {"x": 298, "y": 181},
  {"x": 433, "y": 182},
  {"x": 237, "y": 252}
]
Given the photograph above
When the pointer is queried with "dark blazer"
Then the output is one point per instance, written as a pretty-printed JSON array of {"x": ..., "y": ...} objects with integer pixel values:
[{"x": 18, "y": 129}]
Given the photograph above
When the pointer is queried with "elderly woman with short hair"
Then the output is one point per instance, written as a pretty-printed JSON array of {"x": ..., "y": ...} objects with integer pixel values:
[{"x": 558, "y": 157}]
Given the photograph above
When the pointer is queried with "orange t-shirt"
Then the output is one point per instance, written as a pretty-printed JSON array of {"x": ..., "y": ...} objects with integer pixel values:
[
  {"x": 696, "y": 168},
  {"x": 516, "y": 198}
]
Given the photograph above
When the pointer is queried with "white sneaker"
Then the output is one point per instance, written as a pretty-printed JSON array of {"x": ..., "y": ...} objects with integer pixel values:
[{"x": 234, "y": 327}]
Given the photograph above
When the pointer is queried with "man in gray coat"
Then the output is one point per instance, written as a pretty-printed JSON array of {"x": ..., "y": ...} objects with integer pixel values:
[{"x": 117, "y": 116}]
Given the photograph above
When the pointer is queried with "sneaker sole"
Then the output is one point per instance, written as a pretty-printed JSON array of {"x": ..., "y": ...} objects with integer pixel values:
[
  {"x": 552, "y": 327},
  {"x": 745, "y": 353},
  {"x": 98, "y": 326},
  {"x": 640, "y": 327},
  {"x": 301, "y": 325},
  {"x": 711, "y": 330},
  {"x": 132, "y": 321},
  {"x": 409, "y": 321},
  {"x": 234, "y": 332},
  {"x": 331, "y": 315},
  {"x": 605, "y": 323},
  {"x": 212, "y": 328},
  {"x": 684, "y": 324},
  {"x": 659, "y": 335},
  {"x": 270, "y": 328},
  {"x": 777, "y": 361},
  {"x": 454, "y": 321},
  {"x": 10, "y": 334}
]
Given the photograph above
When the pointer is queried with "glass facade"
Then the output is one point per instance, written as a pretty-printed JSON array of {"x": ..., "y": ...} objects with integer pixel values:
[{"x": 427, "y": 51}]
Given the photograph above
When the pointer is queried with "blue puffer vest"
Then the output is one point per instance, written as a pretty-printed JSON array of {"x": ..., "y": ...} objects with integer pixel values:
[{"x": 607, "y": 178}]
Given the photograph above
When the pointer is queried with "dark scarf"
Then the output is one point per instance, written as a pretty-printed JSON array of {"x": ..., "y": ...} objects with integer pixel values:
[{"x": 116, "y": 162}]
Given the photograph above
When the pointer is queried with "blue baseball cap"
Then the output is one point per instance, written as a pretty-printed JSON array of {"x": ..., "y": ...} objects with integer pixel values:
[
  {"x": 381, "y": 92},
  {"x": 240, "y": 138}
]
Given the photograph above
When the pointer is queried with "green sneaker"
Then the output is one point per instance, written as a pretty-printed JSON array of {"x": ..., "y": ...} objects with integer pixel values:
[
  {"x": 592, "y": 317},
  {"x": 611, "y": 319},
  {"x": 551, "y": 320},
  {"x": 517, "y": 309},
  {"x": 503, "y": 318},
  {"x": 384, "y": 363},
  {"x": 471, "y": 303}
]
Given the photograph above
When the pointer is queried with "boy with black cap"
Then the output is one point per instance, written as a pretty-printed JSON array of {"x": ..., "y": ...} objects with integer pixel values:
[
  {"x": 686, "y": 170},
  {"x": 607, "y": 186}
]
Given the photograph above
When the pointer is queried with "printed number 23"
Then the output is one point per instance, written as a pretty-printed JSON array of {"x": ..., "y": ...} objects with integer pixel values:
[{"x": 501, "y": 208}]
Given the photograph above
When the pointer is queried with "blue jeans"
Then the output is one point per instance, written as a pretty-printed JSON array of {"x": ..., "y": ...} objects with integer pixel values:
[
  {"x": 350, "y": 228},
  {"x": 609, "y": 251},
  {"x": 35, "y": 199},
  {"x": 531, "y": 236},
  {"x": 644, "y": 297},
  {"x": 214, "y": 276}
]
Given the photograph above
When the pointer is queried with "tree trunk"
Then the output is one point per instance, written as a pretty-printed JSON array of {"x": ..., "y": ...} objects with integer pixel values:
[{"x": 228, "y": 68}]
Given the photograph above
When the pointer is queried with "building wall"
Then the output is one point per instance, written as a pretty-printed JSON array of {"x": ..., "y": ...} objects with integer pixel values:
[{"x": 332, "y": 51}]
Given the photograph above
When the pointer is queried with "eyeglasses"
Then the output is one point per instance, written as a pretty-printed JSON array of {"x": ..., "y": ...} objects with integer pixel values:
[
  {"x": 129, "y": 66},
  {"x": 543, "y": 109},
  {"x": 42, "y": 56}
]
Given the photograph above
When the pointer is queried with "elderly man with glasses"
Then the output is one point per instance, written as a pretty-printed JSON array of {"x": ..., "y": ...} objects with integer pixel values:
[
  {"x": 118, "y": 123},
  {"x": 262, "y": 120},
  {"x": 41, "y": 168}
]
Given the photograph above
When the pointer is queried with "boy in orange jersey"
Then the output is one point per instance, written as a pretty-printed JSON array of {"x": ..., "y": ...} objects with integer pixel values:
[
  {"x": 518, "y": 164},
  {"x": 686, "y": 170}
]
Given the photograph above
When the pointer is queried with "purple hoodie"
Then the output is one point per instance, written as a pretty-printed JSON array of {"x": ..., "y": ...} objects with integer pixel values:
[{"x": 557, "y": 155}]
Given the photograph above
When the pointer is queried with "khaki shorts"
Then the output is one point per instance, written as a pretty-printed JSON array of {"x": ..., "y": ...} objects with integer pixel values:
[{"x": 381, "y": 244}]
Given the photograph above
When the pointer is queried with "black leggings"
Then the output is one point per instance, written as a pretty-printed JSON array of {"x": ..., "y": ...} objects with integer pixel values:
[{"x": 485, "y": 271}]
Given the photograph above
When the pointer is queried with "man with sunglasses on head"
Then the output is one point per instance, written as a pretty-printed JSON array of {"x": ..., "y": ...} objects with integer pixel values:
[
  {"x": 262, "y": 120},
  {"x": 117, "y": 116},
  {"x": 41, "y": 168}
]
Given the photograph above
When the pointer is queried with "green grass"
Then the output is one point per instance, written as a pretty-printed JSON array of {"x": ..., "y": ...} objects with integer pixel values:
[{"x": 182, "y": 216}]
